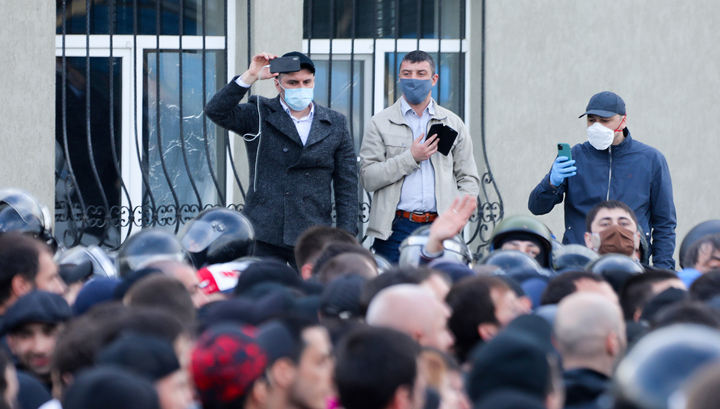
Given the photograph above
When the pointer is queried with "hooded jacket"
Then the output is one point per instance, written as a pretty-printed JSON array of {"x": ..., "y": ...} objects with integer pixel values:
[
  {"x": 631, "y": 172},
  {"x": 583, "y": 388}
]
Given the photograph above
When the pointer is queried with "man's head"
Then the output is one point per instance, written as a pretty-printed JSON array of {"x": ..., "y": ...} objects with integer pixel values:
[
  {"x": 312, "y": 242},
  {"x": 301, "y": 82},
  {"x": 414, "y": 310},
  {"x": 704, "y": 254},
  {"x": 378, "y": 368},
  {"x": 608, "y": 109},
  {"x": 300, "y": 364},
  {"x": 641, "y": 288},
  {"x": 481, "y": 307},
  {"x": 32, "y": 324},
  {"x": 576, "y": 281},
  {"x": 348, "y": 263},
  {"x": 26, "y": 264},
  {"x": 163, "y": 292},
  {"x": 525, "y": 234},
  {"x": 589, "y": 332},
  {"x": 187, "y": 275},
  {"x": 612, "y": 227},
  {"x": 417, "y": 77}
]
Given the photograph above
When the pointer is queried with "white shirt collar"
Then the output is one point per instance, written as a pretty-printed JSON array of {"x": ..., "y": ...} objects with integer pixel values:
[{"x": 406, "y": 107}]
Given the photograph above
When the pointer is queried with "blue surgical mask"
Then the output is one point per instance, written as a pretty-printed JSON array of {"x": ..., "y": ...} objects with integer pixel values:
[
  {"x": 298, "y": 98},
  {"x": 415, "y": 91}
]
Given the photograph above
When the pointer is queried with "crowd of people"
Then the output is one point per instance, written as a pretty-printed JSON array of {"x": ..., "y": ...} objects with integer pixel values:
[{"x": 277, "y": 307}]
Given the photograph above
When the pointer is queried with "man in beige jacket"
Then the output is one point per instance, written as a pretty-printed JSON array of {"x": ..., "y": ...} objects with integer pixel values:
[{"x": 410, "y": 179}]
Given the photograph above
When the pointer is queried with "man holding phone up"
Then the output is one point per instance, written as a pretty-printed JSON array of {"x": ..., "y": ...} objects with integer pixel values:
[
  {"x": 612, "y": 166},
  {"x": 412, "y": 181},
  {"x": 299, "y": 154}
]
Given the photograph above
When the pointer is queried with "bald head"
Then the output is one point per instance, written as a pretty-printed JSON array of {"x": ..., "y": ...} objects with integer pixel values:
[
  {"x": 414, "y": 310},
  {"x": 589, "y": 332}
]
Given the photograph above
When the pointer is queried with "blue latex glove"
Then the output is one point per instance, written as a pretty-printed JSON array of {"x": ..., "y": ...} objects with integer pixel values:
[{"x": 562, "y": 168}]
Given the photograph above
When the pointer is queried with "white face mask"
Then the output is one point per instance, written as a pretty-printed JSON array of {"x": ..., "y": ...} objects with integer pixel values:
[{"x": 600, "y": 137}]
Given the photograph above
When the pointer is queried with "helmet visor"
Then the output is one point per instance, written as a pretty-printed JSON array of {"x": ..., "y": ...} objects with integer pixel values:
[{"x": 200, "y": 234}]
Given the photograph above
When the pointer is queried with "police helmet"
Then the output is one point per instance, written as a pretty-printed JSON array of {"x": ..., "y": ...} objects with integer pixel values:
[
  {"x": 410, "y": 248},
  {"x": 102, "y": 265},
  {"x": 147, "y": 246},
  {"x": 382, "y": 263},
  {"x": 218, "y": 235},
  {"x": 702, "y": 229},
  {"x": 20, "y": 211},
  {"x": 613, "y": 263},
  {"x": 661, "y": 362},
  {"x": 524, "y": 228},
  {"x": 573, "y": 257},
  {"x": 511, "y": 260}
]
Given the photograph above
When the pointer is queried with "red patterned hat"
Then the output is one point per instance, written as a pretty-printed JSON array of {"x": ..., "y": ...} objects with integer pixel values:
[{"x": 225, "y": 363}]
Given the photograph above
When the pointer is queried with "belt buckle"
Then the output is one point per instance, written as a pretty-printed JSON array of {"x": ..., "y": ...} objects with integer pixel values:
[{"x": 420, "y": 216}]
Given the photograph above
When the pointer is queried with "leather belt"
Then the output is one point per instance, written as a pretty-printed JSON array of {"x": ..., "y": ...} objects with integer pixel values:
[{"x": 418, "y": 217}]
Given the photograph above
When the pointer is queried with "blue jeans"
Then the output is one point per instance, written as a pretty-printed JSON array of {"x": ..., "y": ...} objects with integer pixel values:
[{"x": 390, "y": 248}]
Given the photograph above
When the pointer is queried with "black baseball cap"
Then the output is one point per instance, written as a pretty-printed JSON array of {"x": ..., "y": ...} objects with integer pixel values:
[
  {"x": 605, "y": 105},
  {"x": 305, "y": 61}
]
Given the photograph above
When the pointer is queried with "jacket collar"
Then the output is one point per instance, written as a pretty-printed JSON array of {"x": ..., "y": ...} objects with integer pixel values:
[
  {"x": 397, "y": 116},
  {"x": 278, "y": 118}
]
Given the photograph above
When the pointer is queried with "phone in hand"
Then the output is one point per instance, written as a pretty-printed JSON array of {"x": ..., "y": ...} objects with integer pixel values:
[
  {"x": 564, "y": 150},
  {"x": 284, "y": 64}
]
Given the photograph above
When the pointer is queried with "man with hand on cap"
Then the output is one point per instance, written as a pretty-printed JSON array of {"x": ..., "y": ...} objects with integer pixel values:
[
  {"x": 32, "y": 325},
  {"x": 299, "y": 154},
  {"x": 611, "y": 165},
  {"x": 411, "y": 181}
]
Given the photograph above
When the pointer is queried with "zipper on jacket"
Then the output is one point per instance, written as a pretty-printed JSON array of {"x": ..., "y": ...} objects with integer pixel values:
[{"x": 609, "y": 174}]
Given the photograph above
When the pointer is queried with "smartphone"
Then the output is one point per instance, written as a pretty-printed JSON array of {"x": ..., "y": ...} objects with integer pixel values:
[
  {"x": 285, "y": 64},
  {"x": 564, "y": 150}
]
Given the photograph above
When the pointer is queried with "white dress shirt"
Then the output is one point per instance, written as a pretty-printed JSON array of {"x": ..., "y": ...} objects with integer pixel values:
[{"x": 418, "y": 189}]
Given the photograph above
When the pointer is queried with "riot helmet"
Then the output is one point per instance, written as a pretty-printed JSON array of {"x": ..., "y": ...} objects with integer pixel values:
[
  {"x": 573, "y": 257},
  {"x": 147, "y": 246},
  {"x": 20, "y": 211},
  {"x": 702, "y": 229},
  {"x": 511, "y": 260},
  {"x": 382, "y": 263},
  {"x": 661, "y": 363},
  {"x": 614, "y": 262},
  {"x": 218, "y": 235},
  {"x": 410, "y": 248},
  {"x": 526, "y": 228},
  {"x": 102, "y": 265}
]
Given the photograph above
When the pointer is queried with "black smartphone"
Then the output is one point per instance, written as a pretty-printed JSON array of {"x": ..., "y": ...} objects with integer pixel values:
[
  {"x": 285, "y": 64},
  {"x": 564, "y": 150}
]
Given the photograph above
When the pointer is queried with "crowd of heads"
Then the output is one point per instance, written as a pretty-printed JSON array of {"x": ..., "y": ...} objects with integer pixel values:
[{"x": 195, "y": 321}]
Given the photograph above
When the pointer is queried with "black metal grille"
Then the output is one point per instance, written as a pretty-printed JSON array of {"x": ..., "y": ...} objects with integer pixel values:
[{"x": 178, "y": 160}]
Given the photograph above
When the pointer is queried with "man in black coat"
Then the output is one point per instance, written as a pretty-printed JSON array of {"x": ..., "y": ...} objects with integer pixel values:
[{"x": 299, "y": 155}]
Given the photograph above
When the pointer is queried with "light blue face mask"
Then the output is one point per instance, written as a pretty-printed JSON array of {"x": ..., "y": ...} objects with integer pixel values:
[
  {"x": 415, "y": 91},
  {"x": 298, "y": 98}
]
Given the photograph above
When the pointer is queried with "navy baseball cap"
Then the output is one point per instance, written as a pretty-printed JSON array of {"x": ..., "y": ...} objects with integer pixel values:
[
  {"x": 605, "y": 104},
  {"x": 305, "y": 61}
]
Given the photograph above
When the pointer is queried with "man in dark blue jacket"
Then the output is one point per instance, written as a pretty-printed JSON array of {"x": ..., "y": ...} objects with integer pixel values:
[{"x": 612, "y": 166}]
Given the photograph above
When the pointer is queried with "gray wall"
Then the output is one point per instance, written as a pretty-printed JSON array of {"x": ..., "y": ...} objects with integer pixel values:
[
  {"x": 545, "y": 59},
  {"x": 267, "y": 36},
  {"x": 27, "y": 97}
]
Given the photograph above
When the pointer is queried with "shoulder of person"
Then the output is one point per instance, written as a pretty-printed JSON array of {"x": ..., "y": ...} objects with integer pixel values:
[
  {"x": 386, "y": 113},
  {"x": 647, "y": 150}
]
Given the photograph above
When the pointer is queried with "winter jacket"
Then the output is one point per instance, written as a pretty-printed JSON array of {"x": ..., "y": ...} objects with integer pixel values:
[
  {"x": 631, "y": 172},
  {"x": 584, "y": 388}
]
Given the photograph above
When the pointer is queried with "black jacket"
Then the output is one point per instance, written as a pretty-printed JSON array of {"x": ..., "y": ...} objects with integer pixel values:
[
  {"x": 583, "y": 388},
  {"x": 295, "y": 183}
]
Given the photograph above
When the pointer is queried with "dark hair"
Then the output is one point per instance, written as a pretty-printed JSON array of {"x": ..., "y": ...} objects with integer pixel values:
[
  {"x": 692, "y": 253},
  {"x": 564, "y": 284},
  {"x": 75, "y": 348},
  {"x": 313, "y": 240},
  {"x": 472, "y": 305},
  {"x": 19, "y": 254},
  {"x": 608, "y": 204},
  {"x": 393, "y": 276},
  {"x": 164, "y": 292},
  {"x": 5, "y": 362},
  {"x": 346, "y": 263},
  {"x": 372, "y": 363},
  {"x": 706, "y": 286},
  {"x": 686, "y": 312},
  {"x": 637, "y": 291},
  {"x": 146, "y": 321},
  {"x": 335, "y": 249},
  {"x": 418, "y": 56}
]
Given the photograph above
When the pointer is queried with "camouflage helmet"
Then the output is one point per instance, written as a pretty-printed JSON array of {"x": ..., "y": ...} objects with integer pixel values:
[{"x": 522, "y": 228}]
